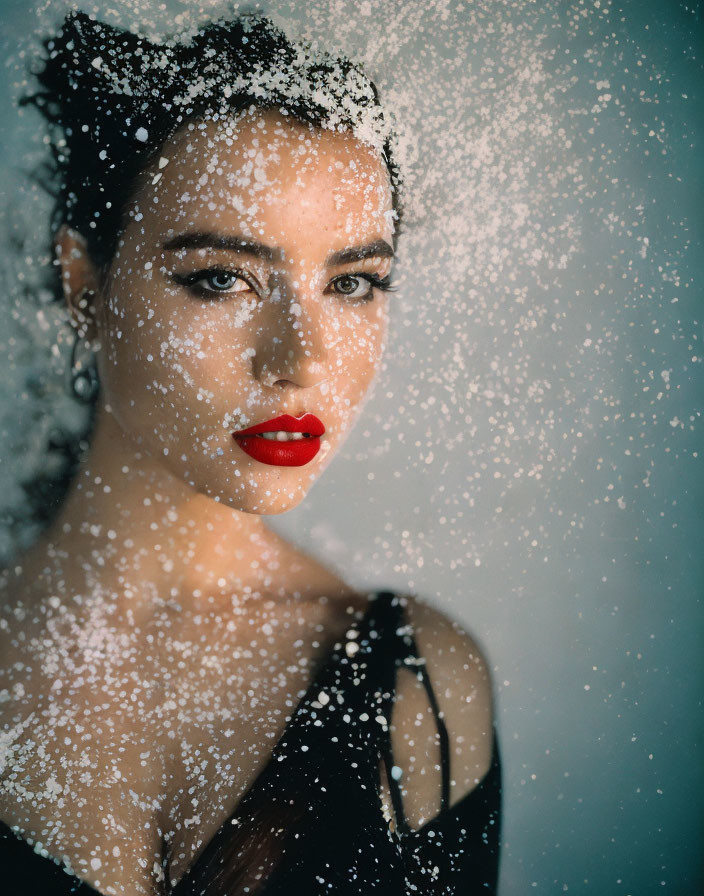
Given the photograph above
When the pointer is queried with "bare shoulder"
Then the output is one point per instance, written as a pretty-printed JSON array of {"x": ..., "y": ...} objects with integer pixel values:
[
  {"x": 452, "y": 655},
  {"x": 461, "y": 681},
  {"x": 459, "y": 673}
]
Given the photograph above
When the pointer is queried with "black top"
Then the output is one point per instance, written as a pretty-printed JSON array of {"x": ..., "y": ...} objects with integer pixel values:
[{"x": 312, "y": 821}]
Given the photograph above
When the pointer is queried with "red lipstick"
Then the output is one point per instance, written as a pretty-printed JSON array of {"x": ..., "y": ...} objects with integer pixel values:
[{"x": 283, "y": 451}]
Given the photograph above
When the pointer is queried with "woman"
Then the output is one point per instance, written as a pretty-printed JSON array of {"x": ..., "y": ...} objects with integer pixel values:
[{"x": 190, "y": 703}]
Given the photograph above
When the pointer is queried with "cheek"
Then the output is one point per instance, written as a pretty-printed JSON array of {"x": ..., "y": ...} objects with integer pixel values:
[
  {"x": 140, "y": 318},
  {"x": 209, "y": 348},
  {"x": 361, "y": 345},
  {"x": 182, "y": 350}
]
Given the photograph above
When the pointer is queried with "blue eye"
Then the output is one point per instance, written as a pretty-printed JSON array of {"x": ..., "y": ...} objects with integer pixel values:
[
  {"x": 222, "y": 281},
  {"x": 214, "y": 280}
]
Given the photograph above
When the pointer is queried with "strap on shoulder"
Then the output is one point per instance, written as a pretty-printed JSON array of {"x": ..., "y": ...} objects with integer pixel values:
[{"x": 405, "y": 633}]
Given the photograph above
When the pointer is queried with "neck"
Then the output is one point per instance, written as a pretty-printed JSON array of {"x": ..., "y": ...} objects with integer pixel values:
[{"x": 128, "y": 523}]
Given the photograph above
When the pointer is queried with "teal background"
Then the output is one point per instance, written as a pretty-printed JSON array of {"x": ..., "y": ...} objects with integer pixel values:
[{"x": 582, "y": 575}]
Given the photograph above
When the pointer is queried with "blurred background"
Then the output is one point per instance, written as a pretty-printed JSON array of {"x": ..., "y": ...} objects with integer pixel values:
[{"x": 530, "y": 458}]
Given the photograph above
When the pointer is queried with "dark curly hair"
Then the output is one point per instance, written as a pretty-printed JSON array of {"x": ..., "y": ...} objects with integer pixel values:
[{"x": 112, "y": 99}]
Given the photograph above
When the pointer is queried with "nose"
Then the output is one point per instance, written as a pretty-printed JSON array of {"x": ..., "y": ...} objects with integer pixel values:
[{"x": 293, "y": 343}]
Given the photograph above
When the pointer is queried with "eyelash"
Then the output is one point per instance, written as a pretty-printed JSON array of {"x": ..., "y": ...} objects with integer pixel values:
[
  {"x": 193, "y": 279},
  {"x": 382, "y": 283}
]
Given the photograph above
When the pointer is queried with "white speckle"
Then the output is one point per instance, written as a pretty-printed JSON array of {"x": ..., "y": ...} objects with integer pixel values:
[
  {"x": 142, "y": 134},
  {"x": 95, "y": 863}
]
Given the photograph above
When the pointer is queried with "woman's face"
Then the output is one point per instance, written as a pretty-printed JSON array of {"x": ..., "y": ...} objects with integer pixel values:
[{"x": 242, "y": 290}]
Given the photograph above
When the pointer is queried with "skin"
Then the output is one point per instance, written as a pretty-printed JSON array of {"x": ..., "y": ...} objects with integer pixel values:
[
  {"x": 201, "y": 367},
  {"x": 160, "y": 554}
]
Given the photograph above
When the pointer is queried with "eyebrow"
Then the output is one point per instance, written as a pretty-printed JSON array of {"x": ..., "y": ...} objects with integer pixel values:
[
  {"x": 203, "y": 240},
  {"x": 206, "y": 240},
  {"x": 377, "y": 249}
]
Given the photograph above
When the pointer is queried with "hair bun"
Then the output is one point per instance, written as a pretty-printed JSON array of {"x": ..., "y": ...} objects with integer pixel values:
[
  {"x": 112, "y": 98},
  {"x": 72, "y": 67},
  {"x": 93, "y": 84}
]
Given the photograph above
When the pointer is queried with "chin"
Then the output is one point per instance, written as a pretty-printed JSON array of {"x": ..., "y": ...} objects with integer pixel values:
[
  {"x": 269, "y": 505},
  {"x": 251, "y": 497}
]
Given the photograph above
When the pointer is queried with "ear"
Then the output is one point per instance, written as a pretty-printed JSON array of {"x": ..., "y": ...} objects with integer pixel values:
[{"x": 79, "y": 278}]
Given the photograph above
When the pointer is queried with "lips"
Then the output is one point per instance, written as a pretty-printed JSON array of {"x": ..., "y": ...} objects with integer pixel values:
[
  {"x": 286, "y": 423},
  {"x": 289, "y": 453}
]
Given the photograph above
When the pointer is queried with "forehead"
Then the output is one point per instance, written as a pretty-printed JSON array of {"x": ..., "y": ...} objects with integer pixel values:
[{"x": 264, "y": 174}]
